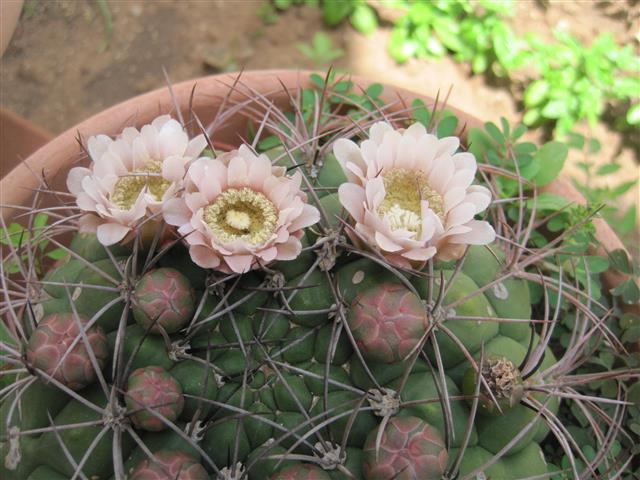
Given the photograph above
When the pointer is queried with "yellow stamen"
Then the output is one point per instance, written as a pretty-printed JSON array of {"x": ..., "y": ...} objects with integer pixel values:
[
  {"x": 405, "y": 189},
  {"x": 241, "y": 214},
  {"x": 128, "y": 187}
]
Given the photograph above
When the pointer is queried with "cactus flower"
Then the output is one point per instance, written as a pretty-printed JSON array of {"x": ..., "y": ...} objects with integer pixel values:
[
  {"x": 411, "y": 196},
  {"x": 238, "y": 211},
  {"x": 131, "y": 177}
]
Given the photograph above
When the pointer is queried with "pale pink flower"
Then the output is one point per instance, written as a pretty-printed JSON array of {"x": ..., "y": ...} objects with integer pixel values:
[
  {"x": 130, "y": 177},
  {"x": 411, "y": 196},
  {"x": 239, "y": 212}
]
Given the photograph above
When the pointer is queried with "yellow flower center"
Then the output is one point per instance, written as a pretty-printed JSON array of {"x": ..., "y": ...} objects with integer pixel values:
[
  {"x": 241, "y": 214},
  {"x": 405, "y": 189},
  {"x": 128, "y": 187}
]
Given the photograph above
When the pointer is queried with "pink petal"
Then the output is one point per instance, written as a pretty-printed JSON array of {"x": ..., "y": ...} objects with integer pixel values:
[
  {"x": 97, "y": 146},
  {"x": 351, "y": 197},
  {"x": 204, "y": 256},
  {"x": 196, "y": 146},
  {"x": 108, "y": 164},
  {"x": 386, "y": 244},
  {"x": 172, "y": 141},
  {"x": 237, "y": 175},
  {"x": 461, "y": 178},
  {"x": 74, "y": 179},
  {"x": 239, "y": 263},
  {"x": 110, "y": 233},
  {"x": 465, "y": 161},
  {"x": 377, "y": 131},
  {"x": 309, "y": 216},
  {"x": 195, "y": 201},
  {"x": 447, "y": 146},
  {"x": 374, "y": 192},
  {"x": 453, "y": 197},
  {"x": 416, "y": 131},
  {"x": 347, "y": 152},
  {"x": 176, "y": 212},
  {"x": 85, "y": 202},
  {"x": 289, "y": 250},
  {"x": 161, "y": 120},
  {"x": 173, "y": 168},
  {"x": 149, "y": 139},
  {"x": 407, "y": 152},
  {"x": 481, "y": 233},
  {"x": 420, "y": 254},
  {"x": 426, "y": 148},
  {"x": 461, "y": 214},
  {"x": 268, "y": 254},
  {"x": 140, "y": 153},
  {"x": 442, "y": 171},
  {"x": 479, "y": 196},
  {"x": 259, "y": 170}
]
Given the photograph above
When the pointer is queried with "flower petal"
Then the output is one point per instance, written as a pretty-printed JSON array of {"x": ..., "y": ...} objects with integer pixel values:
[
  {"x": 481, "y": 233},
  {"x": 352, "y": 198},
  {"x": 239, "y": 263},
  {"x": 111, "y": 233},
  {"x": 203, "y": 256},
  {"x": 74, "y": 179},
  {"x": 176, "y": 212}
]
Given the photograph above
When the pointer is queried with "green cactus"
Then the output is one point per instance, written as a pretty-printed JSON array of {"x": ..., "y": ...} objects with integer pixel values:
[{"x": 290, "y": 370}]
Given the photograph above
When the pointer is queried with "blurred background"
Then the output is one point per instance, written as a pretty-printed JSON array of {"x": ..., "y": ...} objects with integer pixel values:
[{"x": 569, "y": 69}]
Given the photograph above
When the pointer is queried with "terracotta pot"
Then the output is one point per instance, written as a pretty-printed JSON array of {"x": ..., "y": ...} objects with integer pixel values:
[{"x": 55, "y": 158}]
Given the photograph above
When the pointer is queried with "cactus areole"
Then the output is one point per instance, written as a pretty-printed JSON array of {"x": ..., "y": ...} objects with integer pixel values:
[{"x": 335, "y": 307}]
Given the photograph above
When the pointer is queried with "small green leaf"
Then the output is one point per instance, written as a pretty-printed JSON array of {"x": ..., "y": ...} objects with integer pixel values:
[
  {"x": 594, "y": 145},
  {"x": 268, "y": 143},
  {"x": 575, "y": 140},
  {"x": 317, "y": 80},
  {"x": 374, "y": 90},
  {"x": 495, "y": 132},
  {"x": 551, "y": 157},
  {"x": 531, "y": 117},
  {"x": 628, "y": 291},
  {"x": 548, "y": 201},
  {"x": 555, "y": 109},
  {"x": 334, "y": 11},
  {"x": 620, "y": 261},
  {"x": 633, "y": 115},
  {"x": 364, "y": 19},
  {"x": 447, "y": 126},
  {"x": 535, "y": 93},
  {"x": 608, "y": 169}
]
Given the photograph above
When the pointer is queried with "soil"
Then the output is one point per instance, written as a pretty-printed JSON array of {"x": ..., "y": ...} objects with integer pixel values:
[{"x": 62, "y": 65}]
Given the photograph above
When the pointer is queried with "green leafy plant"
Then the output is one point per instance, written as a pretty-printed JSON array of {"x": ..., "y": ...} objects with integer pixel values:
[
  {"x": 623, "y": 219},
  {"x": 16, "y": 236},
  {"x": 472, "y": 31},
  {"x": 321, "y": 50},
  {"x": 576, "y": 82}
]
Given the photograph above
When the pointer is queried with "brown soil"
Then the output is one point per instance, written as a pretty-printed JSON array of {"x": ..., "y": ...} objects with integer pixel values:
[{"x": 60, "y": 69}]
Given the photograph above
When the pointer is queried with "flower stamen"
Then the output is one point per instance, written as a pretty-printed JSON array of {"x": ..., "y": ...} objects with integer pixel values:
[
  {"x": 241, "y": 214},
  {"x": 128, "y": 187},
  {"x": 405, "y": 190}
]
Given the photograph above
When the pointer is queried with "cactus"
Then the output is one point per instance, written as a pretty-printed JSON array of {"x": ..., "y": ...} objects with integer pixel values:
[
  {"x": 409, "y": 448},
  {"x": 58, "y": 348},
  {"x": 387, "y": 323},
  {"x": 331, "y": 352},
  {"x": 169, "y": 465},
  {"x": 163, "y": 299},
  {"x": 153, "y": 395}
]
